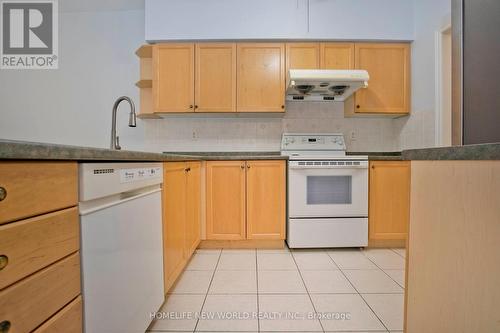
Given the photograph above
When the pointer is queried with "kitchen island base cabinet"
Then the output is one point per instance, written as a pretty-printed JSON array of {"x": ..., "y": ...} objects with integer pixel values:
[
  {"x": 246, "y": 200},
  {"x": 181, "y": 217},
  {"x": 389, "y": 203}
]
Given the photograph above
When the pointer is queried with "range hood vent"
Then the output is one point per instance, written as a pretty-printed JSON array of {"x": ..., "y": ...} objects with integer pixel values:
[{"x": 324, "y": 85}]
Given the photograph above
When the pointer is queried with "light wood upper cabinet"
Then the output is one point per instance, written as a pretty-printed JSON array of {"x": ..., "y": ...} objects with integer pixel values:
[
  {"x": 261, "y": 77},
  {"x": 174, "y": 221},
  {"x": 302, "y": 56},
  {"x": 388, "y": 65},
  {"x": 389, "y": 200},
  {"x": 193, "y": 206},
  {"x": 337, "y": 55},
  {"x": 225, "y": 200},
  {"x": 173, "y": 77},
  {"x": 266, "y": 199},
  {"x": 215, "y": 78}
]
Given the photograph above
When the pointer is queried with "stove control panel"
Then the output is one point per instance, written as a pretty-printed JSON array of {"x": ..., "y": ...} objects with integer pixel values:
[{"x": 333, "y": 142}]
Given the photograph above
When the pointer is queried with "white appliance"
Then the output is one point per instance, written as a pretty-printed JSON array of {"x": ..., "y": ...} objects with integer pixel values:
[
  {"x": 121, "y": 245},
  {"x": 324, "y": 85},
  {"x": 327, "y": 192}
]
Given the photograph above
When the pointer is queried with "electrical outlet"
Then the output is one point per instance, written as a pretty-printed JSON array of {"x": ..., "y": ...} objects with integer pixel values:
[
  {"x": 352, "y": 135},
  {"x": 195, "y": 135}
]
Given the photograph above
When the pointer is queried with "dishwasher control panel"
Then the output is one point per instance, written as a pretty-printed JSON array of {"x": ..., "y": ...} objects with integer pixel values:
[{"x": 135, "y": 174}]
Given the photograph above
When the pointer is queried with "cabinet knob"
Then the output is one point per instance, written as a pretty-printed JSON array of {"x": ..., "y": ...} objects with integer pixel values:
[
  {"x": 242, "y": 167},
  {"x": 282, "y": 106},
  {"x": 187, "y": 169},
  {"x": 196, "y": 106},
  {"x": 191, "y": 106},
  {"x": 248, "y": 166},
  {"x": 4, "y": 260},
  {"x": 358, "y": 106},
  {"x": 3, "y": 193},
  {"x": 4, "y": 326}
]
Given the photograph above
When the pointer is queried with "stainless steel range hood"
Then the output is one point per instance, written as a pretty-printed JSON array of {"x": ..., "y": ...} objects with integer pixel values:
[{"x": 324, "y": 85}]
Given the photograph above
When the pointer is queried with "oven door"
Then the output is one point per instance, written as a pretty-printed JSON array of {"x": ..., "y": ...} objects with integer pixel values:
[{"x": 326, "y": 189}]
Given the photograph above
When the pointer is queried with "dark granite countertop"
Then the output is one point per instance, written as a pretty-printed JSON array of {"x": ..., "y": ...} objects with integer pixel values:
[
  {"x": 232, "y": 155},
  {"x": 379, "y": 156},
  {"x": 487, "y": 151},
  {"x": 23, "y": 150}
]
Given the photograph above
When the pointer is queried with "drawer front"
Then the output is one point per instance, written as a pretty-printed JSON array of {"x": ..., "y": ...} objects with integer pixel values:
[
  {"x": 33, "y": 188},
  {"x": 32, "y": 301},
  {"x": 68, "y": 320},
  {"x": 30, "y": 245}
]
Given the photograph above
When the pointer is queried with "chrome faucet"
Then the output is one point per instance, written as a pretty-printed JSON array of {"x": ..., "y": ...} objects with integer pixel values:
[{"x": 132, "y": 121}]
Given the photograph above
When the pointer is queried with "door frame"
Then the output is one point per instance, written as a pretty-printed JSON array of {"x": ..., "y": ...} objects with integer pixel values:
[{"x": 445, "y": 29}]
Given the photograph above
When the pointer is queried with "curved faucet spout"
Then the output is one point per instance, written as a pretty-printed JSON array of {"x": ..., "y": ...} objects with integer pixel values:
[{"x": 132, "y": 121}]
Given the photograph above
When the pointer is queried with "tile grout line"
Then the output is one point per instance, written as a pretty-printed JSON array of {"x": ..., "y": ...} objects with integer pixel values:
[
  {"x": 307, "y": 291},
  {"x": 208, "y": 290},
  {"x": 373, "y": 311},
  {"x": 390, "y": 277}
]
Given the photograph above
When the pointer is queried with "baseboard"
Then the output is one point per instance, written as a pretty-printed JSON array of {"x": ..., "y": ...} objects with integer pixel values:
[
  {"x": 376, "y": 243},
  {"x": 242, "y": 244}
]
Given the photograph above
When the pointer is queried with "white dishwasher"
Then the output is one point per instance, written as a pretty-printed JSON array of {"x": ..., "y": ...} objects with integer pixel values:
[{"x": 121, "y": 245}]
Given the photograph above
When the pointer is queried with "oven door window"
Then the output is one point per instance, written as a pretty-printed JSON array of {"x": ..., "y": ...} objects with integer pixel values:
[{"x": 329, "y": 190}]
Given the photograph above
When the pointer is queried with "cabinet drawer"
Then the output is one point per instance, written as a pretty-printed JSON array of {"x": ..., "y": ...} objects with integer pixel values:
[
  {"x": 33, "y": 188},
  {"x": 35, "y": 243},
  {"x": 31, "y": 301},
  {"x": 68, "y": 320}
]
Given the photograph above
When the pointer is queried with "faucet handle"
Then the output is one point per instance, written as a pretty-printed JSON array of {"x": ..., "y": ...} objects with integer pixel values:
[{"x": 117, "y": 146}]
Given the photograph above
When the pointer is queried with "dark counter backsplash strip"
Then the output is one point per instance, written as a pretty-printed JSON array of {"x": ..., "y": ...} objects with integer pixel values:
[{"x": 488, "y": 151}]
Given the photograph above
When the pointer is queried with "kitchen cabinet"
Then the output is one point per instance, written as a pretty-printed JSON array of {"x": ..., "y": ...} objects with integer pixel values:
[
  {"x": 337, "y": 55},
  {"x": 302, "y": 56},
  {"x": 246, "y": 200},
  {"x": 389, "y": 202},
  {"x": 173, "y": 77},
  {"x": 193, "y": 207},
  {"x": 181, "y": 219},
  {"x": 261, "y": 77},
  {"x": 226, "y": 199},
  {"x": 266, "y": 199},
  {"x": 39, "y": 244},
  {"x": 215, "y": 78},
  {"x": 388, "y": 65}
]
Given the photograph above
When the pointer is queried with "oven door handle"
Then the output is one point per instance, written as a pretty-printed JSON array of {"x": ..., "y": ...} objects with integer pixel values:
[{"x": 295, "y": 165}]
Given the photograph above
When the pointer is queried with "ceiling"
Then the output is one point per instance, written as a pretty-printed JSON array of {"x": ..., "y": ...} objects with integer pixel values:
[{"x": 99, "y": 5}]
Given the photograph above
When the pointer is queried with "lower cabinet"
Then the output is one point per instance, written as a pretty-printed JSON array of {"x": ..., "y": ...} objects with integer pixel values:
[
  {"x": 389, "y": 205},
  {"x": 246, "y": 200},
  {"x": 181, "y": 216}
]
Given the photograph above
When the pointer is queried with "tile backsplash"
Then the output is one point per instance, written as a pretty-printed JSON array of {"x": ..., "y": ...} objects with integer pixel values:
[{"x": 250, "y": 132}]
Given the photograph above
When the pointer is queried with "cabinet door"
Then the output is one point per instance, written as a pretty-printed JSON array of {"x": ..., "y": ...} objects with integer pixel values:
[
  {"x": 261, "y": 77},
  {"x": 266, "y": 199},
  {"x": 193, "y": 205},
  {"x": 173, "y": 77},
  {"x": 215, "y": 77},
  {"x": 302, "y": 56},
  {"x": 389, "y": 200},
  {"x": 389, "y": 86},
  {"x": 174, "y": 221},
  {"x": 337, "y": 55},
  {"x": 225, "y": 200}
]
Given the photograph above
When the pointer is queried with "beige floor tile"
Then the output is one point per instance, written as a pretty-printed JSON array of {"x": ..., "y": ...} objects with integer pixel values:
[
  {"x": 397, "y": 275},
  {"x": 237, "y": 262},
  {"x": 401, "y": 252},
  {"x": 234, "y": 282},
  {"x": 193, "y": 282},
  {"x": 223, "y": 313},
  {"x": 385, "y": 258},
  {"x": 272, "y": 261},
  {"x": 202, "y": 262},
  {"x": 326, "y": 282},
  {"x": 280, "y": 282},
  {"x": 179, "y": 312},
  {"x": 275, "y": 313},
  {"x": 314, "y": 261},
  {"x": 388, "y": 307},
  {"x": 351, "y": 259},
  {"x": 372, "y": 281},
  {"x": 345, "y": 312}
]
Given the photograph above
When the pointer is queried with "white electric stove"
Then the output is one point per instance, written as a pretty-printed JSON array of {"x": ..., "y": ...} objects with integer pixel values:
[{"x": 327, "y": 192}]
